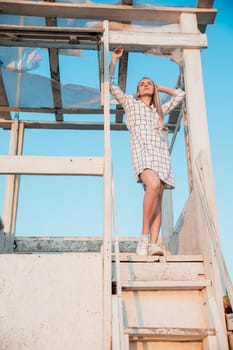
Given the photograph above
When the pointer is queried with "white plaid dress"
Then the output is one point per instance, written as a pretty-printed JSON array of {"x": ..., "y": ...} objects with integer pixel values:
[{"x": 149, "y": 148}]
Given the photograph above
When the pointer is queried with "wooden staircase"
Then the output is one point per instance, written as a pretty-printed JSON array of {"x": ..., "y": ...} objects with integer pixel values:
[{"x": 165, "y": 304}]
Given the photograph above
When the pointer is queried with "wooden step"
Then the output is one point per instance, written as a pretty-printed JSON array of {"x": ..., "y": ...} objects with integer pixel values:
[
  {"x": 157, "y": 271},
  {"x": 165, "y": 285},
  {"x": 132, "y": 257},
  {"x": 168, "y": 334}
]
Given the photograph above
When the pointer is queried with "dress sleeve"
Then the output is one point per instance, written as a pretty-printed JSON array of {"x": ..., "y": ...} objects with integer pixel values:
[
  {"x": 173, "y": 102},
  {"x": 115, "y": 90}
]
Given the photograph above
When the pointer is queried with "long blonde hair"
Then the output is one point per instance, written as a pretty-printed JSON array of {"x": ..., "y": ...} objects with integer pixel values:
[{"x": 155, "y": 100}]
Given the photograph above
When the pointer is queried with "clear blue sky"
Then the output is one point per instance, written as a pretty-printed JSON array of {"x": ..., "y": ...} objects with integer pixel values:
[{"x": 69, "y": 206}]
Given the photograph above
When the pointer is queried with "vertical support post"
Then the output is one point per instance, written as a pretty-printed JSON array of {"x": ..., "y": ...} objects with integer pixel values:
[
  {"x": 17, "y": 177},
  {"x": 169, "y": 238},
  {"x": 168, "y": 219},
  {"x": 188, "y": 155},
  {"x": 107, "y": 247},
  {"x": 196, "y": 109},
  {"x": 12, "y": 187},
  {"x": 200, "y": 145}
]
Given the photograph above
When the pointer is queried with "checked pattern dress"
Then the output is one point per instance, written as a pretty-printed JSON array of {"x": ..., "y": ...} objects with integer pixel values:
[{"x": 148, "y": 141}]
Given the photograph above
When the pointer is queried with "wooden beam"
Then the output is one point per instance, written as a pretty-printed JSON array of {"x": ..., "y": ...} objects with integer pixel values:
[
  {"x": 55, "y": 81},
  {"x": 50, "y": 37},
  {"x": 54, "y": 71},
  {"x": 53, "y": 110},
  {"x": 12, "y": 186},
  {"x": 64, "y": 125},
  {"x": 204, "y": 4},
  {"x": 164, "y": 285},
  {"x": 59, "y": 32},
  {"x": 141, "y": 42},
  {"x": 133, "y": 40},
  {"x": 3, "y": 97},
  {"x": 71, "y": 126},
  {"x": 48, "y": 165},
  {"x": 101, "y": 12},
  {"x": 168, "y": 334},
  {"x": 127, "y": 2}
]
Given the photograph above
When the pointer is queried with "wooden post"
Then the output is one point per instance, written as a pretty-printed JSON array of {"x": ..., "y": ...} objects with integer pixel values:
[
  {"x": 169, "y": 237},
  {"x": 107, "y": 248},
  {"x": 12, "y": 187},
  {"x": 200, "y": 145},
  {"x": 196, "y": 109}
]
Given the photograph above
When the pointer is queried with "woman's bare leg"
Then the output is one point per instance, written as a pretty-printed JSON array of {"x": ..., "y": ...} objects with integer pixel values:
[
  {"x": 151, "y": 203},
  {"x": 157, "y": 218}
]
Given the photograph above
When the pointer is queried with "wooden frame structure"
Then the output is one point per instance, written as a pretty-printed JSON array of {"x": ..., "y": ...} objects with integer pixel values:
[
  {"x": 181, "y": 38},
  {"x": 182, "y": 34}
]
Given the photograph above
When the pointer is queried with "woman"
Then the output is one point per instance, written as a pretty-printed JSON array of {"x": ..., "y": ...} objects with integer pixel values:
[{"x": 149, "y": 149}]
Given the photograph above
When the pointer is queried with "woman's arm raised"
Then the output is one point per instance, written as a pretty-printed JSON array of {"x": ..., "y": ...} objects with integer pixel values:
[{"x": 166, "y": 90}]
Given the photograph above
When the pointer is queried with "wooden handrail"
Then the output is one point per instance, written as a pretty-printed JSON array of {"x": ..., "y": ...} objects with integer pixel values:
[{"x": 213, "y": 236}]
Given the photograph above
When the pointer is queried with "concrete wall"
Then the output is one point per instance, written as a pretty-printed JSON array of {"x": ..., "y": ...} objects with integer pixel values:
[{"x": 51, "y": 301}]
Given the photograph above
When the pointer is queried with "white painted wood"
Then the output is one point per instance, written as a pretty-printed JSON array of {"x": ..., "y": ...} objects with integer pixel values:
[
  {"x": 161, "y": 40},
  {"x": 131, "y": 255},
  {"x": 50, "y": 165},
  {"x": 126, "y": 342},
  {"x": 12, "y": 186},
  {"x": 169, "y": 240},
  {"x": 164, "y": 308},
  {"x": 164, "y": 285},
  {"x": 190, "y": 234},
  {"x": 167, "y": 28},
  {"x": 108, "y": 211},
  {"x": 115, "y": 325},
  {"x": 210, "y": 343},
  {"x": 184, "y": 258},
  {"x": 17, "y": 177},
  {"x": 216, "y": 251},
  {"x": 166, "y": 334},
  {"x": 196, "y": 108},
  {"x": 166, "y": 346},
  {"x": 105, "y": 11},
  {"x": 220, "y": 329},
  {"x": 214, "y": 266},
  {"x": 157, "y": 271},
  {"x": 187, "y": 150},
  {"x": 51, "y": 301}
]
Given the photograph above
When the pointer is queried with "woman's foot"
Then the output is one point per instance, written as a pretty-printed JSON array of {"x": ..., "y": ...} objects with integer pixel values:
[
  {"x": 155, "y": 249},
  {"x": 142, "y": 247}
]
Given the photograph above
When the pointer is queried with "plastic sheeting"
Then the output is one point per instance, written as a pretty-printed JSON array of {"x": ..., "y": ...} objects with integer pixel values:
[
  {"x": 36, "y": 92},
  {"x": 25, "y": 88}
]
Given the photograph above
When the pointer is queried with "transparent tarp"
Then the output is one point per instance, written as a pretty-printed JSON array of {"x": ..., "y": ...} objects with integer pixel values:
[{"x": 26, "y": 73}]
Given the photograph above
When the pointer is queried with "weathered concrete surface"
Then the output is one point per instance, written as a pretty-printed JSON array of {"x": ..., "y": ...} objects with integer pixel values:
[
  {"x": 51, "y": 301},
  {"x": 69, "y": 244}
]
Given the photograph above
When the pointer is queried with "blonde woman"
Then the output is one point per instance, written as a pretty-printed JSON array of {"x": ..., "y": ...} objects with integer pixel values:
[{"x": 149, "y": 149}]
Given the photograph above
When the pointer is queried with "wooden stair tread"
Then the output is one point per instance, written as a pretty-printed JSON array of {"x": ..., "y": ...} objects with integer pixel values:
[
  {"x": 165, "y": 285},
  {"x": 168, "y": 333},
  {"x": 132, "y": 257}
]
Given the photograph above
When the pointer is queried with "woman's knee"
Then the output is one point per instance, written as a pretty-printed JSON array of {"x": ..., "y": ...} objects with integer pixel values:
[{"x": 154, "y": 185}]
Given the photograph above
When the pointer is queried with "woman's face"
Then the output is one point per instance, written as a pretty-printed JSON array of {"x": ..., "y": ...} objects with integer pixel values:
[{"x": 145, "y": 87}]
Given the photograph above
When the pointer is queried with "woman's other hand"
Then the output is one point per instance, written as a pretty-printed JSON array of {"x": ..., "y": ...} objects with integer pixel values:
[{"x": 117, "y": 53}]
